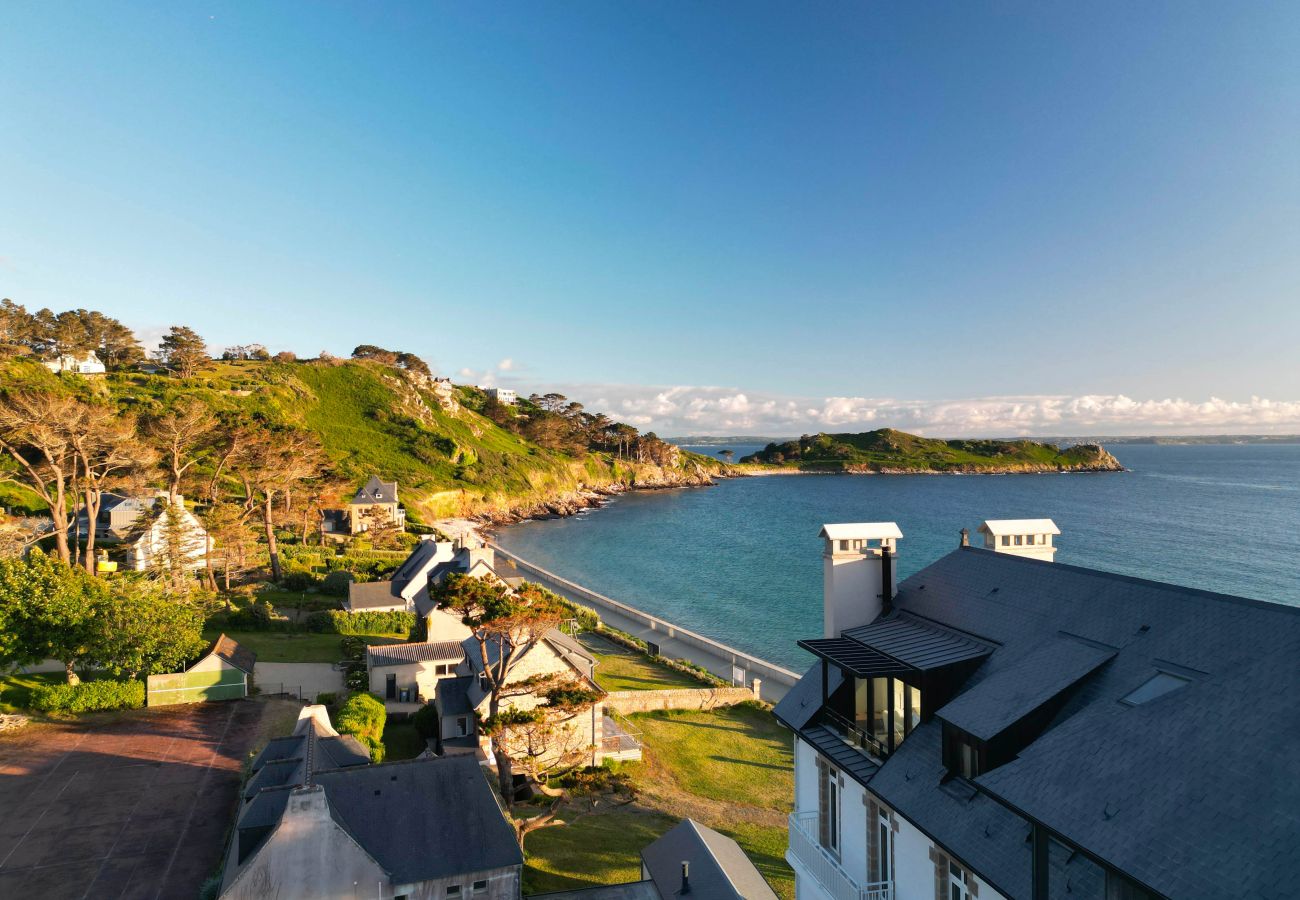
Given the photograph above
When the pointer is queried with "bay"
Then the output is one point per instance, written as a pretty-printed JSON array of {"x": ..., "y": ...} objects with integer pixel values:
[{"x": 741, "y": 561}]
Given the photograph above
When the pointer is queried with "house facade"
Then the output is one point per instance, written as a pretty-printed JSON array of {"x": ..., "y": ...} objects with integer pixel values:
[
  {"x": 147, "y": 532},
  {"x": 375, "y": 498},
  {"x": 998, "y": 725},
  {"x": 87, "y": 363},
  {"x": 503, "y": 395},
  {"x": 317, "y": 819}
]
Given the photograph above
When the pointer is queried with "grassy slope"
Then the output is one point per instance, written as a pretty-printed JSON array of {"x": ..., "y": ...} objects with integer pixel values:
[
  {"x": 730, "y": 769},
  {"x": 897, "y": 450},
  {"x": 619, "y": 669},
  {"x": 371, "y": 419}
]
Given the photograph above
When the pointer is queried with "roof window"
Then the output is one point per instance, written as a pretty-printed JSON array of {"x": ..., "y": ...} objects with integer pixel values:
[{"x": 1156, "y": 686}]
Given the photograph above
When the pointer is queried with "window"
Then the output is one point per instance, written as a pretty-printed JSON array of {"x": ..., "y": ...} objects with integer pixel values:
[
  {"x": 884, "y": 846},
  {"x": 453, "y": 890},
  {"x": 913, "y": 708},
  {"x": 390, "y": 687},
  {"x": 957, "y": 882},
  {"x": 1019, "y": 540},
  {"x": 462, "y": 725},
  {"x": 443, "y": 669},
  {"x": 1006, "y": 540},
  {"x": 962, "y": 754},
  {"x": 480, "y": 887},
  {"x": 1157, "y": 686},
  {"x": 828, "y": 808}
]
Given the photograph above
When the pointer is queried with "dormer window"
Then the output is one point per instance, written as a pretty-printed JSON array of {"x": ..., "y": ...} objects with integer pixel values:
[{"x": 964, "y": 755}]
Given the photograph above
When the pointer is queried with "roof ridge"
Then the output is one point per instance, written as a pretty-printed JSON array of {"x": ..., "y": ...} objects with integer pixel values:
[{"x": 1132, "y": 579}]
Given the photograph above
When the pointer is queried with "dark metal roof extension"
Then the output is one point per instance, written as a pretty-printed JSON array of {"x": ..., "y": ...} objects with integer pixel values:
[
  {"x": 854, "y": 657},
  {"x": 845, "y": 756},
  {"x": 1007, "y": 696},
  {"x": 918, "y": 643}
]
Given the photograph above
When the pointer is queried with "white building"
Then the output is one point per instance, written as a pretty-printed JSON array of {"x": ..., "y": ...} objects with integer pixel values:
[
  {"x": 996, "y": 728},
  {"x": 78, "y": 364},
  {"x": 1021, "y": 537},
  {"x": 503, "y": 395}
]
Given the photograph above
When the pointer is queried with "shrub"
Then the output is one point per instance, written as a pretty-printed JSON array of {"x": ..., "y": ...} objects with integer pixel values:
[
  {"x": 363, "y": 716},
  {"x": 337, "y": 621},
  {"x": 425, "y": 721},
  {"x": 87, "y": 696},
  {"x": 336, "y": 584},
  {"x": 357, "y": 679},
  {"x": 327, "y": 698}
]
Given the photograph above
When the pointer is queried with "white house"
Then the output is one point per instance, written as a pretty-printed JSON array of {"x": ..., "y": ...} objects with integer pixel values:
[
  {"x": 1022, "y": 537},
  {"x": 149, "y": 531},
  {"x": 503, "y": 395},
  {"x": 78, "y": 364},
  {"x": 998, "y": 728}
]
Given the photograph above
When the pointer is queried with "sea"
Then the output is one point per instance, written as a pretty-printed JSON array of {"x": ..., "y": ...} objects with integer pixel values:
[{"x": 741, "y": 561}]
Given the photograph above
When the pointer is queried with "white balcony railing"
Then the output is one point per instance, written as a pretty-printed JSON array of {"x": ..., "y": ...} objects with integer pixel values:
[{"x": 818, "y": 862}]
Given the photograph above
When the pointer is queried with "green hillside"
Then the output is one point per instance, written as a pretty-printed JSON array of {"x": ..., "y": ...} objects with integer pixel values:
[
  {"x": 448, "y": 458},
  {"x": 887, "y": 451}
]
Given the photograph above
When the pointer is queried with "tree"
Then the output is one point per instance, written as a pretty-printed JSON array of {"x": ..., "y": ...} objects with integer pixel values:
[
  {"x": 271, "y": 462},
  {"x": 378, "y": 525},
  {"x": 183, "y": 350},
  {"x": 48, "y": 610},
  {"x": 363, "y": 716},
  {"x": 143, "y": 629},
  {"x": 106, "y": 447},
  {"x": 37, "y": 430},
  {"x": 184, "y": 436},
  {"x": 227, "y": 527},
  {"x": 505, "y": 625}
]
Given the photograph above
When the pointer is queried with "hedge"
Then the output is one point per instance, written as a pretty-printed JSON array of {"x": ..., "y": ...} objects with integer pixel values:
[
  {"x": 337, "y": 621},
  {"x": 363, "y": 716},
  {"x": 87, "y": 696}
]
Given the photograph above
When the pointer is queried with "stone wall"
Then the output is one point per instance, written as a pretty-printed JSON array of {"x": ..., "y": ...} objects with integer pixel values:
[{"x": 626, "y": 702}]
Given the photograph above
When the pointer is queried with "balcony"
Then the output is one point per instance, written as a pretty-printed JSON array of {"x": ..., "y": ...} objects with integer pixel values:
[{"x": 808, "y": 854}]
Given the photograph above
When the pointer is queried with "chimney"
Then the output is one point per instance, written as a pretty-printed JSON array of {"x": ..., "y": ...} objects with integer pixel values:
[
  {"x": 1031, "y": 538},
  {"x": 686, "y": 878},
  {"x": 965, "y": 538},
  {"x": 857, "y": 578}
]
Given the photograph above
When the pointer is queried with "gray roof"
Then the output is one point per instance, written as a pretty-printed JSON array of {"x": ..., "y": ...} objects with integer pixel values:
[
  {"x": 375, "y": 491},
  {"x": 415, "y": 564},
  {"x": 404, "y": 654},
  {"x": 1192, "y": 794},
  {"x": 632, "y": 890},
  {"x": 423, "y": 818},
  {"x": 918, "y": 643},
  {"x": 230, "y": 650},
  {"x": 423, "y": 602},
  {"x": 718, "y": 867},
  {"x": 566, "y": 646},
  {"x": 452, "y": 695},
  {"x": 372, "y": 595}
]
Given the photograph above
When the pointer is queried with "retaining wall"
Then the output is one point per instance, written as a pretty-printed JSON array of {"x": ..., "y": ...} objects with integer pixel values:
[
  {"x": 627, "y": 702},
  {"x": 713, "y": 655}
]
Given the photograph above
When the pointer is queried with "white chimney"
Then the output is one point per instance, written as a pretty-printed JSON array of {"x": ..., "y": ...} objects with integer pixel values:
[
  {"x": 852, "y": 573},
  {"x": 1021, "y": 537}
]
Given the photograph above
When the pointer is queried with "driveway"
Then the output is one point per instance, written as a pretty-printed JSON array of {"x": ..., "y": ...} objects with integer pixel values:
[
  {"x": 302, "y": 680},
  {"x": 133, "y": 804}
]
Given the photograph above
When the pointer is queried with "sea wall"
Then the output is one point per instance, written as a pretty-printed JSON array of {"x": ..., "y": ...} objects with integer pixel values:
[
  {"x": 628, "y": 702},
  {"x": 673, "y": 640}
]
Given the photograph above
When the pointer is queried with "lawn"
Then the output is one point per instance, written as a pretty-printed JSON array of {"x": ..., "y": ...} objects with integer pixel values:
[
  {"x": 296, "y": 647},
  {"x": 620, "y": 669},
  {"x": 16, "y": 689},
  {"x": 729, "y": 769},
  {"x": 401, "y": 741}
]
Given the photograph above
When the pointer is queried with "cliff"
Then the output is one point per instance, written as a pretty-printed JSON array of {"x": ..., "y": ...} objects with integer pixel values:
[{"x": 889, "y": 452}]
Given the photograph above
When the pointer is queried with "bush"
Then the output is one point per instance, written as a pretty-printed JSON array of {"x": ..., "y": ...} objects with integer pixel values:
[
  {"x": 327, "y": 698},
  {"x": 363, "y": 716},
  {"x": 337, "y": 621},
  {"x": 336, "y": 584},
  {"x": 87, "y": 696},
  {"x": 425, "y": 721},
  {"x": 357, "y": 679}
]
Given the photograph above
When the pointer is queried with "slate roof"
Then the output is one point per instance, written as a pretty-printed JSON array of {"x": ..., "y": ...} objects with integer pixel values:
[
  {"x": 372, "y": 595},
  {"x": 1192, "y": 794},
  {"x": 233, "y": 652},
  {"x": 414, "y": 567},
  {"x": 718, "y": 867},
  {"x": 632, "y": 890},
  {"x": 452, "y": 695},
  {"x": 423, "y": 818},
  {"x": 920, "y": 644},
  {"x": 375, "y": 491},
  {"x": 404, "y": 654}
]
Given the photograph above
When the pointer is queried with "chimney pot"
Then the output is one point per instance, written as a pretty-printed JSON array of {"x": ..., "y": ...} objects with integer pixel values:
[
  {"x": 686, "y": 877},
  {"x": 965, "y": 537}
]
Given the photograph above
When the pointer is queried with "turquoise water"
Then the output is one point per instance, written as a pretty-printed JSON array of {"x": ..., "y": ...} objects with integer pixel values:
[{"x": 741, "y": 561}]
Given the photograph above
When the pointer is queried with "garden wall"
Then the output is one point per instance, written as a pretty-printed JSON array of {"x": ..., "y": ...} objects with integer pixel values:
[{"x": 627, "y": 702}]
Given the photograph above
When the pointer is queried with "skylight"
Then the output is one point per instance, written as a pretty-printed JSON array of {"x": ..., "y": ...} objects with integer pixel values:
[{"x": 1157, "y": 686}]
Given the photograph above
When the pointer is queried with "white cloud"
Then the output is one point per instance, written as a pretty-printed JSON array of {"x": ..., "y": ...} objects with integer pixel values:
[
  {"x": 683, "y": 409},
  {"x": 505, "y": 365}
]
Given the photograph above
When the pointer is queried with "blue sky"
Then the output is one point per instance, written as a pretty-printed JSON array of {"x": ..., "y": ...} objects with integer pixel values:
[{"x": 706, "y": 216}]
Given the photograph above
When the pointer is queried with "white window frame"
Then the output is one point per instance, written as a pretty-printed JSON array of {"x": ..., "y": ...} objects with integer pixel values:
[
  {"x": 885, "y": 849},
  {"x": 957, "y": 889}
]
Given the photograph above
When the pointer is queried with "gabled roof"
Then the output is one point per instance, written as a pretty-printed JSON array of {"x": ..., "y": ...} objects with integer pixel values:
[
  {"x": 718, "y": 867},
  {"x": 375, "y": 491},
  {"x": 861, "y": 531},
  {"x": 1019, "y": 526},
  {"x": 415, "y": 570},
  {"x": 231, "y": 651},
  {"x": 423, "y": 818},
  {"x": 372, "y": 595},
  {"x": 405, "y": 654}
]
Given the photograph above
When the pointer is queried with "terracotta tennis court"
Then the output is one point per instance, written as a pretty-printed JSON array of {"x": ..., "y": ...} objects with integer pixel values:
[{"x": 133, "y": 805}]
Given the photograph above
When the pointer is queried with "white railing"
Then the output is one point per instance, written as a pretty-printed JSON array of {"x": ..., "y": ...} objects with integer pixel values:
[{"x": 818, "y": 862}]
